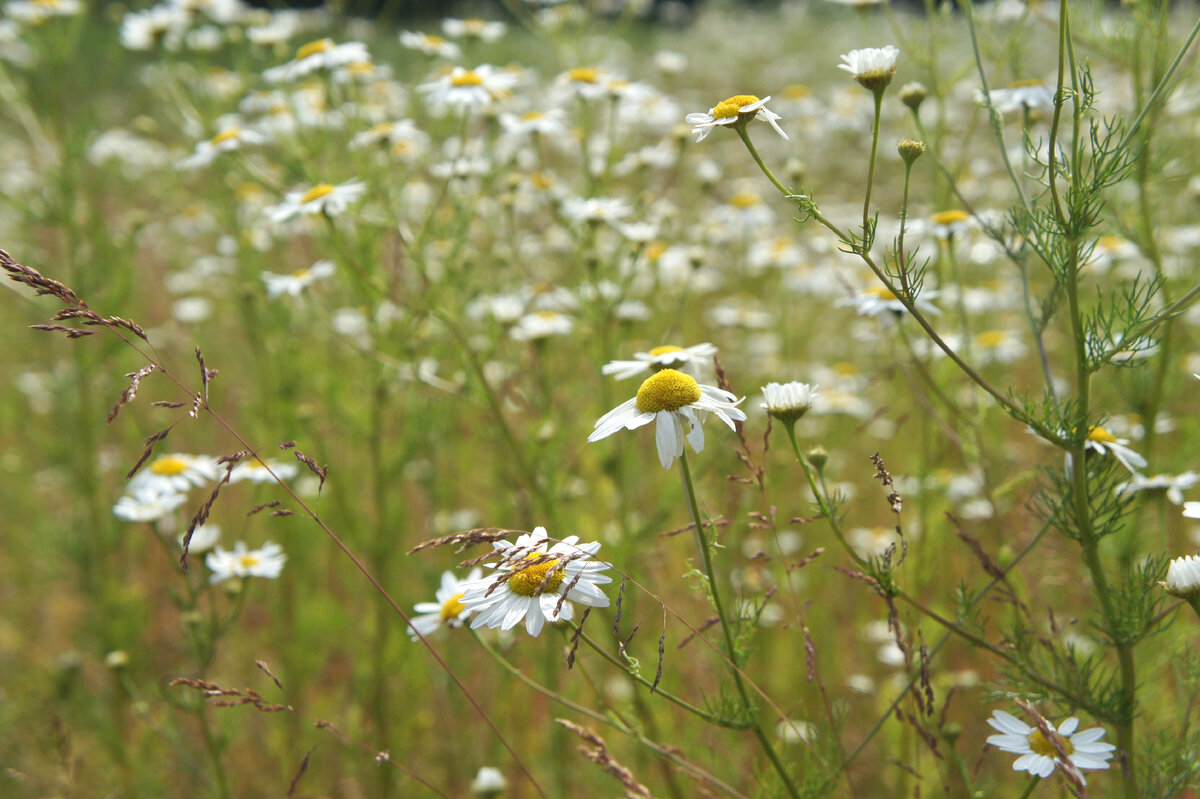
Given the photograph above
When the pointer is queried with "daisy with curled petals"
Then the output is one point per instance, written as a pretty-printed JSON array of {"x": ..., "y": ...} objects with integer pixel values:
[
  {"x": 666, "y": 357},
  {"x": 535, "y": 583},
  {"x": 1103, "y": 442},
  {"x": 1039, "y": 756},
  {"x": 872, "y": 67},
  {"x": 447, "y": 607},
  {"x": 737, "y": 110},
  {"x": 324, "y": 198},
  {"x": 669, "y": 398}
]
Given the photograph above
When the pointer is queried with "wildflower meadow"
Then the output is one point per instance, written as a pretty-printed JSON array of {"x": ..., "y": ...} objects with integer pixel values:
[{"x": 594, "y": 399}]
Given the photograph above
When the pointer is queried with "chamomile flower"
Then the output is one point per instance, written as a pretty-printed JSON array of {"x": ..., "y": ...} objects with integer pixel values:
[
  {"x": 1191, "y": 510},
  {"x": 669, "y": 398},
  {"x": 877, "y": 300},
  {"x": 1172, "y": 485},
  {"x": 256, "y": 471},
  {"x": 295, "y": 283},
  {"x": 596, "y": 210},
  {"x": 229, "y": 139},
  {"x": 482, "y": 29},
  {"x": 945, "y": 225},
  {"x": 1038, "y": 756},
  {"x": 323, "y": 198},
  {"x": 242, "y": 562},
  {"x": 37, "y": 11},
  {"x": 736, "y": 110},
  {"x": 1183, "y": 579},
  {"x": 1026, "y": 96},
  {"x": 587, "y": 83},
  {"x": 787, "y": 402},
  {"x": 319, "y": 54},
  {"x": 537, "y": 583},
  {"x": 1103, "y": 442},
  {"x": 447, "y": 607},
  {"x": 872, "y": 67},
  {"x": 551, "y": 122},
  {"x": 668, "y": 356},
  {"x": 147, "y": 503},
  {"x": 429, "y": 44},
  {"x": 175, "y": 473},
  {"x": 542, "y": 324},
  {"x": 468, "y": 88}
]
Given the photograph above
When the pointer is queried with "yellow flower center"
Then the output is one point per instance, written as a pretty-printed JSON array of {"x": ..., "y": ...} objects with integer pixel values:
[
  {"x": 1100, "y": 435},
  {"x": 246, "y": 561},
  {"x": 991, "y": 338},
  {"x": 169, "y": 466},
  {"x": 733, "y": 106},
  {"x": 226, "y": 135},
  {"x": 541, "y": 180},
  {"x": 360, "y": 68},
  {"x": 1110, "y": 242},
  {"x": 467, "y": 78},
  {"x": 881, "y": 292},
  {"x": 654, "y": 251},
  {"x": 617, "y": 85},
  {"x": 663, "y": 350},
  {"x": 949, "y": 217},
  {"x": 845, "y": 369},
  {"x": 382, "y": 129},
  {"x": 1039, "y": 744},
  {"x": 300, "y": 273},
  {"x": 434, "y": 41},
  {"x": 668, "y": 390},
  {"x": 745, "y": 199},
  {"x": 583, "y": 75},
  {"x": 796, "y": 91},
  {"x": 539, "y": 578},
  {"x": 1021, "y": 84},
  {"x": 529, "y": 116},
  {"x": 317, "y": 192},
  {"x": 312, "y": 48},
  {"x": 452, "y": 608}
]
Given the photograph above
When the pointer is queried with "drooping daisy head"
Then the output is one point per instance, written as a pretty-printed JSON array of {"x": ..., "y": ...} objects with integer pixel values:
[
  {"x": 447, "y": 608},
  {"x": 872, "y": 67},
  {"x": 536, "y": 581},
  {"x": 670, "y": 398},
  {"x": 738, "y": 111}
]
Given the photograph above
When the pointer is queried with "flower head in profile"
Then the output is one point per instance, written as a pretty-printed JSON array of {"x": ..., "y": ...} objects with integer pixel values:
[
  {"x": 1172, "y": 485},
  {"x": 670, "y": 398},
  {"x": 174, "y": 473},
  {"x": 1103, "y": 442},
  {"x": 469, "y": 88},
  {"x": 446, "y": 608},
  {"x": 736, "y": 110},
  {"x": 787, "y": 402},
  {"x": 1183, "y": 577},
  {"x": 323, "y": 198},
  {"x": 320, "y": 54},
  {"x": 1026, "y": 96},
  {"x": 229, "y": 139},
  {"x": 1039, "y": 756},
  {"x": 668, "y": 356},
  {"x": 536, "y": 582},
  {"x": 295, "y": 283},
  {"x": 242, "y": 562},
  {"x": 872, "y": 67}
]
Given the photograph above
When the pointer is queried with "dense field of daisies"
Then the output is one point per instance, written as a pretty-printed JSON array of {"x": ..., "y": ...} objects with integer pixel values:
[{"x": 791, "y": 401}]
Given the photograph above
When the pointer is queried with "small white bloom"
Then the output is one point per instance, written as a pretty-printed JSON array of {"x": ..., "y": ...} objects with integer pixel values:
[
  {"x": 875, "y": 301},
  {"x": 685, "y": 359},
  {"x": 324, "y": 198},
  {"x": 321, "y": 54},
  {"x": 429, "y": 44},
  {"x": 739, "y": 108},
  {"x": 1191, "y": 510},
  {"x": 788, "y": 401},
  {"x": 596, "y": 210},
  {"x": 536, "y": 583},
  {"x": 257, "y": 472},
  {"x": 1027, "y": 96},
  {"x": 242, "y": 562},
  {"x": 1103, "y": 442},
  {"x": 175, "y": 473},
  {"x": 542, "y": 324},
  {"x": 147, "y": 503},
  {"x": 670, "y": 398},
  {"x": 1038, "y": 756},
  {"x": 1172, "y": 485},
  {"x": 489, "y": 782},
  {"x": 227, "y": 140},
  {"x": 482, "y": 29},
  {"x": 204, "y": 538},
  {"x": 1183, "y": 576},
  {"x": 871, "y": 65},
  {"x": 447, "y": 607},
  {"x": 469, "y": 88},
  {"x": 296, "y": 282}
]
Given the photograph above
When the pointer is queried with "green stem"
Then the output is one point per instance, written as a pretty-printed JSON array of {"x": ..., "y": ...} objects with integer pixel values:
[
  {"x": 868, "y": 236},
  {"x": 726, "y": 630}
]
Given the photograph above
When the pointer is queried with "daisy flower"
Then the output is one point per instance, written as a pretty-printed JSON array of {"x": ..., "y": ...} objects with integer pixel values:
[
  {"x": 429, "y": 44},
  {"x": 1183, "y": 575},
  {"x": 665, "y": 357},
  {"x": 736, "y": 110},
  {"x": 1172, "y": 485},
  {"x": 1103, "y": 442},
  {"x": 324, "y": 198},
  {"x": 945, "y": 225},
  {"x": 876, "y": 300},
  {"x": 596, "y": 210},
  {"x": 204, "y": 538},
  {"x": 482, "y": 29},
  {"x": 1038, "y": 756},
  {"x": 175, "y": 473},
  {"x": 1026, "y": 96},
  {"x": 227, "y": 140},
  {"x": 256, "y": 471},
  {"x": 787, "y": 402},
  {"x": 293, "y": 284},
  {"x": 468, "y": 88},
  {"x": 241, "y": 562},
  {"x": 587, "y": 83},
  {"x": 669, "y": 398},
  {"x": 535, "y": 583},
  {"x": 147, "y": 503},
  {"x": 542, "y": 324},
  {"x": 38, "y": 11},
  {"x": 447, "y": 607},
  {"x": 552, "y": 122},
  {"x": 872, "y": 67},
  {"x": 321, "y": 54}
]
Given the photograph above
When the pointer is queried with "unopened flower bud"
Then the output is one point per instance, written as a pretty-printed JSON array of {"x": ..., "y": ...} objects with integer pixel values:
[
  {"x": 818, "y": 456},
  {"x": 910, "y": 150},
  {"x": 912, "y": 94}
]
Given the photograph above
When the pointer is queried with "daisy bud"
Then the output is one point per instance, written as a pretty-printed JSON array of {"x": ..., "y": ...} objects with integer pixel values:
[
  {"x": 818, "y": 456},
  {"x": 910, "y": 150},
  {"x": 116, "y": 660},
  {"x": 1183, "y": 577},
  {"x": 912, "y": 94}
]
